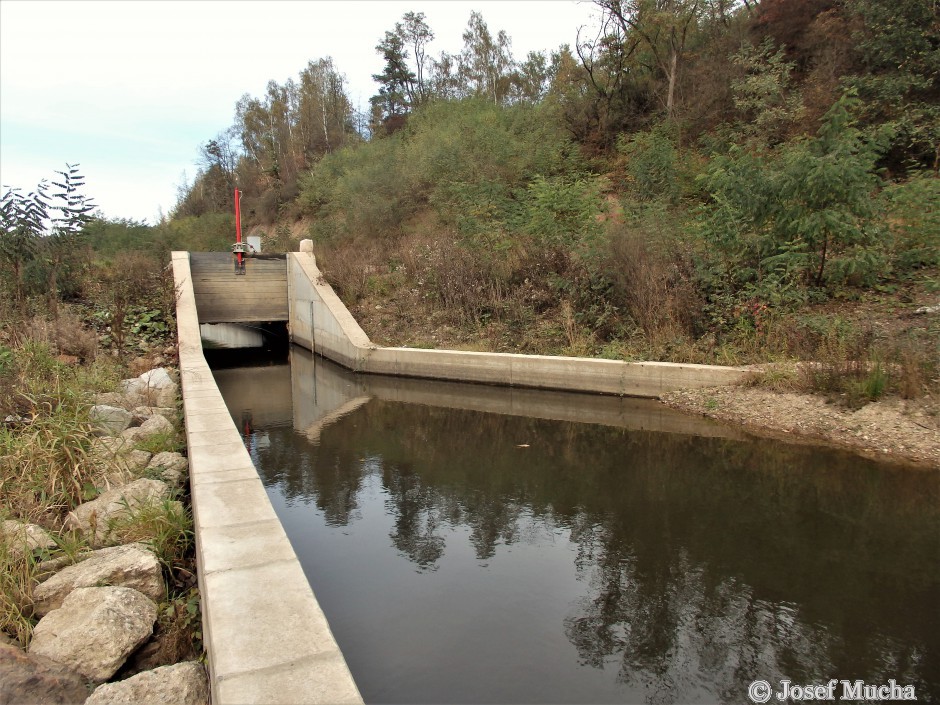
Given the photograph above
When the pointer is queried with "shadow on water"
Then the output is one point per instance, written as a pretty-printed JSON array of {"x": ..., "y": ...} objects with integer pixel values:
[{"x": 476, "y": 544}]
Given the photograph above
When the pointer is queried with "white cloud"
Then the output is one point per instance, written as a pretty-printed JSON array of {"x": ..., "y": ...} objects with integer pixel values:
[{"x": 130, "y": 89}]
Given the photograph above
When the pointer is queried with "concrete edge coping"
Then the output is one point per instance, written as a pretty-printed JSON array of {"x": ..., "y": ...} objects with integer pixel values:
[{"x": 265, "y": 644}]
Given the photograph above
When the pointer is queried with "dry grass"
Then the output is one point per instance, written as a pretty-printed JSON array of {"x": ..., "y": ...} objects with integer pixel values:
[
  {"x": 64, "y": 335},
  {"x": 17, "y": 577},
  {"x": 653, "y": 283},
  {"x": 164, "y": 526}
]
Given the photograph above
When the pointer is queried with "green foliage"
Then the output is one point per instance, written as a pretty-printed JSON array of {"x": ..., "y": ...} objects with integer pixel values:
[
  {"x": 800, "y": 216},
  {"x": 763, "y": 95},
  {"x": 898, "y": 46},
  {"x": 166, "y": 526},
  {"x": 135, "y": 295},
  {"x": 22, "y": 223},
  {"x": 179, "y": 626},
  {"x": 212, "y": 232},
  {"x": 874, "y": 384},
  {"x": 7, "y": 360},
  {"x": 653, "y": 164},
  {"x": 824, "y": 202},
  {"x": 479, "y": 211},
  {"x": 359, "y": 190},
  {"x": 400, "y": 86},
  {"x": 474, "y": 140},
  {"x": 563, "y": 212},
  {"x": 41, "y": 238},
  {"x": 159, "y": 442},
  {"x": 108, "y": 237},
  {"x": 912, "y": 215},
  {"x": 466, "y": 158},
  {"x": 148, "y": 324}
]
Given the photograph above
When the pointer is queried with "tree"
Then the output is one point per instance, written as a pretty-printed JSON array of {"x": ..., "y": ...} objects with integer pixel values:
[
  {"x": 220, "y": 154},
  {"x": 211, "y": 191},
  {"x": 533, "y": 77},
  {"x": 22, "y": 222},
  {"x": 792, "y": 217},
  {"x": 444, "y": 82},
  {"x": 405, "y": 81},
  {"x": 664, "y": 27},
  {"x": 763, "y": 96},
  {"x": 324, "y": 112},
  {"x": 42, "y": 231},
  {"x": 485, "y": 65},
  {"x": 899, "y": 48},
  {"x": 284, "y": 133},
  {"x": 614, "y": 85},
  {"x": 71, "y": 211},
  {"x": 396, "y": 80},
  {"x": 416, "y": 34}
]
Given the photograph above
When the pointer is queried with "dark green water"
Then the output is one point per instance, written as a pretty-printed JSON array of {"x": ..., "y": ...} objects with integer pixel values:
[{"x": 471, "y": 557}]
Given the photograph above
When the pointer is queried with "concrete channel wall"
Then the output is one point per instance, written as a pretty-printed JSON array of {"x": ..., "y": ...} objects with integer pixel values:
[
  {"x": 266, "y": 637},
  {"x": 319, "y": 321}
]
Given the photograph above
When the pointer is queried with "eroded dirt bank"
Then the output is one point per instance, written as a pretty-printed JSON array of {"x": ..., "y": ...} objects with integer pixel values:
[{"x": 892, "y": 429}]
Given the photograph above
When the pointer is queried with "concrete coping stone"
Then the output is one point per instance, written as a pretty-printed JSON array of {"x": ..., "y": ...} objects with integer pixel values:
[{"x": 265, "y": 644}]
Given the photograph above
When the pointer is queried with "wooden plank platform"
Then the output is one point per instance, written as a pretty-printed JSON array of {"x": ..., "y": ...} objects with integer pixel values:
[{"x": 225, "y": 297}]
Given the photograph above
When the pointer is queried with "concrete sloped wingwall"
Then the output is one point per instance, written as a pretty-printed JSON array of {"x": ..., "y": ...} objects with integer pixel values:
[
  {"x": 319, "y": 321},
  {"x": 266, "y": 636}
]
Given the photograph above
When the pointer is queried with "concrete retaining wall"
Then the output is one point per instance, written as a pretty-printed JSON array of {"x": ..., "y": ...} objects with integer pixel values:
[
  {"x": 319, "y": 321},
  {"x": 267, "y": 638}
]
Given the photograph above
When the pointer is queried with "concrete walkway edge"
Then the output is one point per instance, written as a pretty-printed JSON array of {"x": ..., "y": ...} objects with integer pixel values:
[{"x": 266, "y": 637}]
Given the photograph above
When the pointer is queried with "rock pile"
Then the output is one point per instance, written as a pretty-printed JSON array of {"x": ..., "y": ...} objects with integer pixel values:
[{"x": 98, "y": 611}]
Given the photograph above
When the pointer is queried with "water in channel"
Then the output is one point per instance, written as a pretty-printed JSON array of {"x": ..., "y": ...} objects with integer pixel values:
[{"x": 472, "y": 544}]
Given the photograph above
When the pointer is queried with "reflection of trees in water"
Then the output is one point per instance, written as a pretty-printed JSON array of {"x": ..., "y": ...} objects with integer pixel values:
[
  {"x": 421, "y": 510},
  {"x": 331, "y": 479},
  {"x": 417, "y": 510},
  {"x": 682, "y": 634},
  {"x": 710, "y": 563}
]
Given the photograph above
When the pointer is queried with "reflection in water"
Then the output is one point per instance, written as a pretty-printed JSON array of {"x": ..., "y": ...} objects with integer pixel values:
[{"x": 463, "y": 556}]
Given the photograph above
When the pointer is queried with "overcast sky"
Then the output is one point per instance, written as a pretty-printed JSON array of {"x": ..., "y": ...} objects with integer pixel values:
[{"x": 129, "y": 90}]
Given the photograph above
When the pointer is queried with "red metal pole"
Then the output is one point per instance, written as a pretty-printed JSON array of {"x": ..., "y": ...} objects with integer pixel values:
[{"x": 238, "y": 222}]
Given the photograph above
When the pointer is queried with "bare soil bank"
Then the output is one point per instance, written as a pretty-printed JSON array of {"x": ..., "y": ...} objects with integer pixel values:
[{"x": 892, "y": 429}]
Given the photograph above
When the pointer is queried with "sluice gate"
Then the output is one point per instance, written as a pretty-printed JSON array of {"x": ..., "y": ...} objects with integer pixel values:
[{"x": 222, "y": 297}]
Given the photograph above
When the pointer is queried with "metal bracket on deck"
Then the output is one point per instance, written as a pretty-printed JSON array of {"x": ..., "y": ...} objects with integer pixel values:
[{"x": 241, "y": 250}]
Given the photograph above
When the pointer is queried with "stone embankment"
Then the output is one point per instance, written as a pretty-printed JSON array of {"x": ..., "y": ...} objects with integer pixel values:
[{"x": 98, "y": 607}]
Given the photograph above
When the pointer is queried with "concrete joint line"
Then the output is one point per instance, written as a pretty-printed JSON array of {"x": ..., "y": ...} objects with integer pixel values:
[
  {"x": 252, "y": 567},
  {"x": 306, "y": 661},
  {"x": 206, "y": 480}
]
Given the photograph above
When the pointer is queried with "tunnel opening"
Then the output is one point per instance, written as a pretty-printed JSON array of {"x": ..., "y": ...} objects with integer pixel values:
[{"x": 228, "y": 345}]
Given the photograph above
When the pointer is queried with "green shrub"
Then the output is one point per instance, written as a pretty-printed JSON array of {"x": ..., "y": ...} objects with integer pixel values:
[
  {"x": 912, "y": 215},
  {"x": 467, "y": 159},
  {"x": 802, "y": 217},
  {"x": 652, "y": 163}
]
